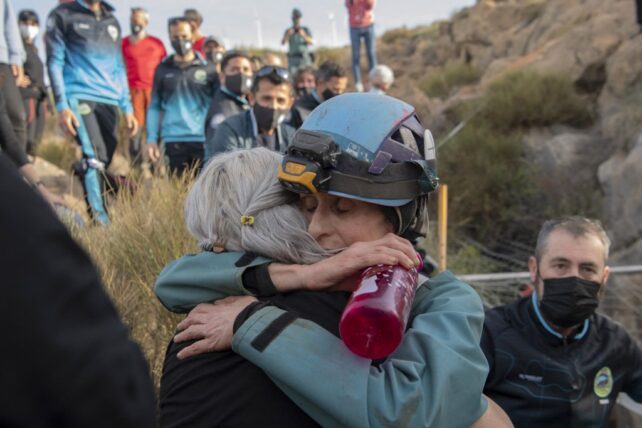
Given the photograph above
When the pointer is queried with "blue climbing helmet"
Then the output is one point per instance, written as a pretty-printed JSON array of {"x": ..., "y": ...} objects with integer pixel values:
[{"x": 367, "y": 147}]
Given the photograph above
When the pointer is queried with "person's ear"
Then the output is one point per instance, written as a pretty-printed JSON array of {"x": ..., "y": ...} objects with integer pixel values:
[
  {"x": 251, "y": 98},
  {"x": 532, "y": 269}
]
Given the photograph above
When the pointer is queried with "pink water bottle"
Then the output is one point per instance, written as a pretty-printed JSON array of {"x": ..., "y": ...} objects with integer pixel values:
[{"x": 373, "y": 322}]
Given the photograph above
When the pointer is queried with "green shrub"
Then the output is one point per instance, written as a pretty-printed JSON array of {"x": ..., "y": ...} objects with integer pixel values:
[
  {"x": 146, "y": 232},
  {"x": 488, "y": 179},
  {"x": 528, "y": 99},
  {"x": 453, "y": 76}
]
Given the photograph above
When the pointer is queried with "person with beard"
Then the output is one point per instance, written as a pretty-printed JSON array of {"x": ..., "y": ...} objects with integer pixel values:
[
  {"x": 184, "y": 85},
  {"x": 553, "y": 361},
  {"x": 142, "y": 54},
  {"x": 89, "y": 83},
  {"x": 264, "y": 125},
  {"x": 305, "y": 81},
  {"x": 231, "y": 98},
  {"x": 331, "y": 80}
]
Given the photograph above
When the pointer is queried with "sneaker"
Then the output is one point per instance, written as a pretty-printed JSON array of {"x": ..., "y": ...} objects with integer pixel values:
[{"x": 358, "y": 86}]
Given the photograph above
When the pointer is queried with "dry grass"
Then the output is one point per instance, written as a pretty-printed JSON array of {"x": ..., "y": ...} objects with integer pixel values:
[{"x": 146, "y": 232}]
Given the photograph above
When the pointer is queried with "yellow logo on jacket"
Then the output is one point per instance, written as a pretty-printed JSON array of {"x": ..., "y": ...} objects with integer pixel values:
[{"x": 603, "y": 383}]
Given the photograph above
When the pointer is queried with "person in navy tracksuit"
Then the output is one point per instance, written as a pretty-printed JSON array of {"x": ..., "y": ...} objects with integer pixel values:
[
  {"x": 184, "y": 85},
  {"x": 89, "y": 82}
]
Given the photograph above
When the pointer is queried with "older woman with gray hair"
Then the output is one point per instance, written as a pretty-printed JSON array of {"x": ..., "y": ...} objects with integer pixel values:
[
  {"x": 381, "y": 79},
  {"x": 237, "y": 204}
]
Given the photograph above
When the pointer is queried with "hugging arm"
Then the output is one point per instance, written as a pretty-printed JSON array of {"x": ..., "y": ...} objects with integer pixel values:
[{"x": 435, "y": 377}]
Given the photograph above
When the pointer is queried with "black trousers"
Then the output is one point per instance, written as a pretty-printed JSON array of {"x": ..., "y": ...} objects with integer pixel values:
[
  {"x": 98, "y": 138},
  {"x": 182, "y": 156},
  {"x": 12, "y": 118},
  {"x": 36, "y": 113}
]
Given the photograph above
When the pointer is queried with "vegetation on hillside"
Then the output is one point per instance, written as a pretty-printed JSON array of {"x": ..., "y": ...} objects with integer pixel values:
[{"x": 495, "y": 191}]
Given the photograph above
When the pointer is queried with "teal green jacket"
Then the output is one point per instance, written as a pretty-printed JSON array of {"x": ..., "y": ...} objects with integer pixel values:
[{"x": 434, "y": 379}]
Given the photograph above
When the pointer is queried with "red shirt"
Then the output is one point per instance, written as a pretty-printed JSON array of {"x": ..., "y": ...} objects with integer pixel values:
[
  {"x": 199, "y": 45},
  {"x": 141, "y": 60},
  {"x": 360, "y": 12}
]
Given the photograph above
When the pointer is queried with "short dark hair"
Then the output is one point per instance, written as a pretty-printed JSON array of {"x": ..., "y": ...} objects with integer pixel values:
[
  {"x": 575, "y": 225},
  {"x": 230, "y": 55},
  {"x": 28, "y": 15},
  {"x": 328, "y": 70},
  {"x": 193, "y": 15},
  {"x": 273, "y": 78},
  {"x": 214, "y": 40},
  {"x": 310, "y": 69},
  {"x": 173, "y": 22}
]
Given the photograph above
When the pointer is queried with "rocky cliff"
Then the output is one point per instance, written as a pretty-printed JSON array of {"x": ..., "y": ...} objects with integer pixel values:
[{"x": 596, "y": 44}]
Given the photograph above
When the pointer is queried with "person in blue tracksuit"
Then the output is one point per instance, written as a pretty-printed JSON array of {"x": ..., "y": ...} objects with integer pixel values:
[
  {"x": 89, "y": 82},
  {"x": 184, "y": 85}
]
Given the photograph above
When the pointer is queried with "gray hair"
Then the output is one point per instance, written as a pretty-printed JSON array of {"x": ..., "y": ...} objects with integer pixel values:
[
  {"x": 244, "y": 183},
  {"x": 382, "y": 73},
  {"x": 142, "y": 11},
  {"x": 575, "y": 225}
]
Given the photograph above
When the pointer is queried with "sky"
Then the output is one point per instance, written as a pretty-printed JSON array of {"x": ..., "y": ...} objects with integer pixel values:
[{"x": 262, "y": 23}]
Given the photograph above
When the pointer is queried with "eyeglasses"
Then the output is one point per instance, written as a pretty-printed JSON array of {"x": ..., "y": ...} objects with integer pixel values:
[{"x": 266, "y": 70}]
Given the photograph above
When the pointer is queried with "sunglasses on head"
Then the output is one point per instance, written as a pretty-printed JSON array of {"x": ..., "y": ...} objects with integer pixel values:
[{"x": 266, "y": 70}]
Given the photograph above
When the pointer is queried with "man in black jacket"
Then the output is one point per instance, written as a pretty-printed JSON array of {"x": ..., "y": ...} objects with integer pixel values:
[
  {"x": 553, "y": 361},
  {"x": 331, "y": 80},
  {"x": 67, "y": 360},
  {"x": 231, "y": 97},
  {"x": 264, "y": 124}
]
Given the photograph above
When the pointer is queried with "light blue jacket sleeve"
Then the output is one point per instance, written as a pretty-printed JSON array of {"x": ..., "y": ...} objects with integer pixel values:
[
  {"x": 56, "y": 48},
  {"x": 15, "y": 48},
  {"x": 434, "y": 379},
  {"x": 203, "y": 277},
  {"x": 153, "y": 117},
  {"x": 125, "y": 102}
]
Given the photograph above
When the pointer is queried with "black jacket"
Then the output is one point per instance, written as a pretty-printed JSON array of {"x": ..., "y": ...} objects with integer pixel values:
[
  {"x": 240, "y": 132},
  {"x": 224, "y": 105},
  {"x": 223, "y": 389},
  {"x": 66, "y": 358},
  {"x": 35, "y": 69},
  {"x": 542, "y": 380},
  {"x": 302, "y": 109}
]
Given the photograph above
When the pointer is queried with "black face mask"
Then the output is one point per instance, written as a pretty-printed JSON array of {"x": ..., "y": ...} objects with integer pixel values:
[
  {"x": 306, "y": 90},
  {"x": 215, "y": 57},
  {"x": 569, "y": 301},
  {"x": 182, "y": 46},
  {"x": 136, "y": 29},
  {"x": 267, "y": 118},
  {"x": 239, "y": 84},
  {"x": 327, "y": 94}
]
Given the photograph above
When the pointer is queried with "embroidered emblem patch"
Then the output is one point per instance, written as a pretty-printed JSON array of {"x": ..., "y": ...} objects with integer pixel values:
[
  {"x": 603, "y": 383},
  {"x": 200, "y": 75}
]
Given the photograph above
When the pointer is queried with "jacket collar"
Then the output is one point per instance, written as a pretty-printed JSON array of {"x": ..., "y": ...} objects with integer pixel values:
[
  {"x": 232, "y": 95},
  {"x": 547, "y": 327}
]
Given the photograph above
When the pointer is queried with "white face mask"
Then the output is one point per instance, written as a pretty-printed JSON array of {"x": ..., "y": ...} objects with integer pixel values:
[{"x": 29, "y": 31}]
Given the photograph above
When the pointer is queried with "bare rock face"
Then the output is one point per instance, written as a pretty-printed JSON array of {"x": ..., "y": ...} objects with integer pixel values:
[
  {"x": 564, "y": 150},
  {"x": 621, "y": 180}
]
